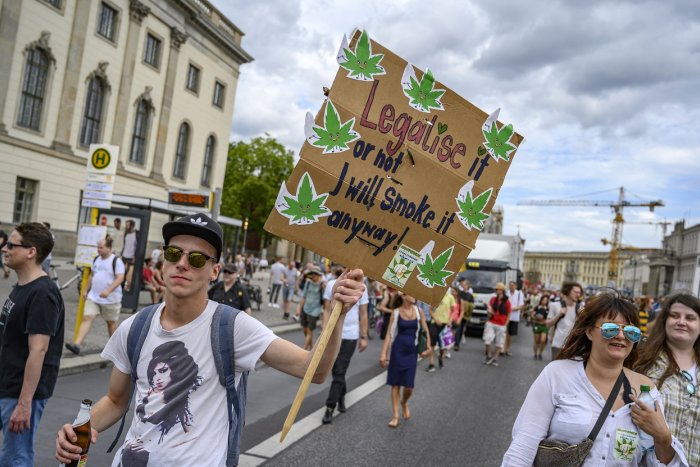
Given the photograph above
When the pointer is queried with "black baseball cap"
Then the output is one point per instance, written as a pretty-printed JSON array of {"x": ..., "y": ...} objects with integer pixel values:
[
  {"x": 198, "y": 225},
  {"x": 230, "y": 267}
]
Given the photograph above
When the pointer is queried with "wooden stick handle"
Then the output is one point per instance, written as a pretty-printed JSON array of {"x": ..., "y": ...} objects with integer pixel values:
[{"x": 311, "y": 370}]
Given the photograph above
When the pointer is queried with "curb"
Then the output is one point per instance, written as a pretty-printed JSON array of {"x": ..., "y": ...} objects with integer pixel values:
[{"x": 74, "y": 365}]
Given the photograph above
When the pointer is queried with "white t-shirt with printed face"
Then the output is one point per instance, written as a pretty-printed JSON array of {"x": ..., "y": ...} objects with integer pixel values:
[
  {"x": 351, "y": 325},
  {"x": 102, "y": 278},
  {"x": 180, "y": 415}
]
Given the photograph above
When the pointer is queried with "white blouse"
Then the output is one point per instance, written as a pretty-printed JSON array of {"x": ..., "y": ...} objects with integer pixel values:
[{"x": 562, "y": 404}]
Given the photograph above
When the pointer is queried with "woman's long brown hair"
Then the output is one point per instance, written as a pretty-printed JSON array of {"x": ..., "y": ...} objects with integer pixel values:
[
  {"x": 656, "y": 342},
  {"x": 605, "y": 305}
]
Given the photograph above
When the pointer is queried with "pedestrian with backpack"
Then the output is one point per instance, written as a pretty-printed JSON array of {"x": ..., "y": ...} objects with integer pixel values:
[
  {"x": 177, "y": 359},
  {"x": 102, "y": 294}
]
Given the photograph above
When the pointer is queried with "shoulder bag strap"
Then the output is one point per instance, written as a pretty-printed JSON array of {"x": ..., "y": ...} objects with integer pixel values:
[{"x": 608, "y": 405}]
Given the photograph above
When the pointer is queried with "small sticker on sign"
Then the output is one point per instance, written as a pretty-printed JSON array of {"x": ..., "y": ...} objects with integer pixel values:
[{"x": 401, "y": 266}]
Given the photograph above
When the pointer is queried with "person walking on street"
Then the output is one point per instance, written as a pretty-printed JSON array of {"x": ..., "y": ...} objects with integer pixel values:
[
  {"x": 103, "y": 293},
  {"x": 517, "y": 305},
  {"x": 275, "y": 284},
  {"x": 386, "y": 306},
  {"x": 184, "y": 413},
  {"x": 495, "y": 328},
  {"x": 466, "y": 306},
  {"x": 562, "y": 315},
  {"x": 354, "y": 335},
  {"x": 230, "y": 291},
  {"x": 540, "y": 330},
  {"x": 289, "y": 287},
  {"x": 671, "y": 358},
  {"x": 31, "y": 336},
  {"x": 311, "y": 304},
  {"x": 405, "y": 323},
  {"x": 590, "y": 372},
  {"x": 440, "y": 317}
]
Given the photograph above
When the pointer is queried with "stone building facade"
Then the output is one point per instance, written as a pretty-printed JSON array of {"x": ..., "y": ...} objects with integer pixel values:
[
  {"x": 677, "y": 265},
  {"x": 156, "y": 78},
  {"x": 589, "y": 268}
]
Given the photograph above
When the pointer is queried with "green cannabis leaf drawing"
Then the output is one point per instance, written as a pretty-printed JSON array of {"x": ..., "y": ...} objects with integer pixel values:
[
  {"x": 304, "y": 208},
  {"x": 361, "y": 64},
  {"x": 498, "y": 141},
  {"x": 433, "y": 272},
  {"x": 471, "y": 210},
  {"x": 335, "y": 135},
  {"x": 422, "y": 94}
]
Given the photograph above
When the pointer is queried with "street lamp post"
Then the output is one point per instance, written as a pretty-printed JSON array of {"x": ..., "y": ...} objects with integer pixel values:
[{"x": 245, "y": 234}]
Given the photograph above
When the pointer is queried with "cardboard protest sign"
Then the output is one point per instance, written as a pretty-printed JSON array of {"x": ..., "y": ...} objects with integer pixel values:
[{"x": 397, "y": 174}]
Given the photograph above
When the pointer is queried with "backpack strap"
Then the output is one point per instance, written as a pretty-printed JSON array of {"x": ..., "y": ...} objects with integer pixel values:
[
  {"x": 134, "y": 342},
  {"x": 222, "y": 343}
]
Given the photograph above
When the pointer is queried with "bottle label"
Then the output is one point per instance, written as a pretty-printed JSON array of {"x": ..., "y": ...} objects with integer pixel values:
[
  {"x": 82, "y": 462},
  {"x": 625, "y": 444}
]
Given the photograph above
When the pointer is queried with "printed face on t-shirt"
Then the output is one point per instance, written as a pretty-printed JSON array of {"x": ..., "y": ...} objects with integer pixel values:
[{"x": 162, "y": 377}]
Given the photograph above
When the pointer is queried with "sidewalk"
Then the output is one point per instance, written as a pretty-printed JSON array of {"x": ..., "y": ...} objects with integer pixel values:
[{"x": 95, "y": 341}]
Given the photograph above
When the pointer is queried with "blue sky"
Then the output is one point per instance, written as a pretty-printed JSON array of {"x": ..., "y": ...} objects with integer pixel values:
[{"x": 607, "y": 94}]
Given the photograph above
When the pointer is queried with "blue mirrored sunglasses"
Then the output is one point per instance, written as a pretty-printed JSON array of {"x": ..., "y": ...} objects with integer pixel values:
[
  {"x": 631, "y": 333},
  {"x": 690, "y": 387}
]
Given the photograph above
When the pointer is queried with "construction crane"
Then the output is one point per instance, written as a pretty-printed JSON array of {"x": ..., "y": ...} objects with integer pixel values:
[
  {"x": 618, "y": 220},
  {"x": 664, "y": 225}
]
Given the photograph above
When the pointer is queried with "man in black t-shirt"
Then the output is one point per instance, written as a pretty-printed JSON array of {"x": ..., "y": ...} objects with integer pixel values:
[
  {"x": 31, "y": 337},
  {"x": 230, "y": 291}
]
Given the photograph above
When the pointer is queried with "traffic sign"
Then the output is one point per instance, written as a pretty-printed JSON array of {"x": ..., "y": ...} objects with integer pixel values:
[{"x": 102, "y": 159}]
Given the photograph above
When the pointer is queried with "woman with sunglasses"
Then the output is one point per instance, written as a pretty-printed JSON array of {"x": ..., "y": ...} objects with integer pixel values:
[
  {"x": 670, "y": 357},
  {"x": 568, "y": 396}
]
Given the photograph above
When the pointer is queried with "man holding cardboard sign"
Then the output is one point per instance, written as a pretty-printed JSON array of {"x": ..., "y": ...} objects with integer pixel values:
[{"x": 181, "y": 415}]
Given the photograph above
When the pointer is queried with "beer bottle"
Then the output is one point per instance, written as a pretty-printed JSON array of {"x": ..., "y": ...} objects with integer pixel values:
[{"x": 81, "y": 426}]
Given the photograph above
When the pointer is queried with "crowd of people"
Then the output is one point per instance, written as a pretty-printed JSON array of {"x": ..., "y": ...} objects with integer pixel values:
[{"x": 605, "y": 349}]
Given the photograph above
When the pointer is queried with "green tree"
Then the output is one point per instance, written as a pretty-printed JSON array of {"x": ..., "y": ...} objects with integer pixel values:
[{"x": 254, "y": 172}]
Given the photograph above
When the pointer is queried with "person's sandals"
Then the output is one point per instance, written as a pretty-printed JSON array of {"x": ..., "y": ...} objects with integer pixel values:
[{"x": 393, "y": 423}]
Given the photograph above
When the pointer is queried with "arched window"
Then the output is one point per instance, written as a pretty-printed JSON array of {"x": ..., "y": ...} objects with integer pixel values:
[
  {"x": 31, "y": 104},
  {"x": 142, "y": 123},
  {"x": 92, "y": 116},
  {"x": 183, "y": 139},
  {"x": 209, "y": 152}
]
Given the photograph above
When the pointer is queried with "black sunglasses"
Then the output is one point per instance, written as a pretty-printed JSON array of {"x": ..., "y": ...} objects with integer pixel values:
[
  {"x": 196, "y": 259},
  {"x": 11, "y": 245},
  {"x": 690, "y": 387}
]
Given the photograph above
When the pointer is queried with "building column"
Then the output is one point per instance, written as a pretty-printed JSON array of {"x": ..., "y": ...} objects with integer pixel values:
[
  {"x": 137, "y": 12},
  {"x": 177, "y": 38},
  {"x": 71, "y": 78},
  {"x": 9, "y": 22}
]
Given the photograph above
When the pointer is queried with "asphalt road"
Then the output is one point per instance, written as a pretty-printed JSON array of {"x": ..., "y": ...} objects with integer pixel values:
[{"x": 461, "y": 415}]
